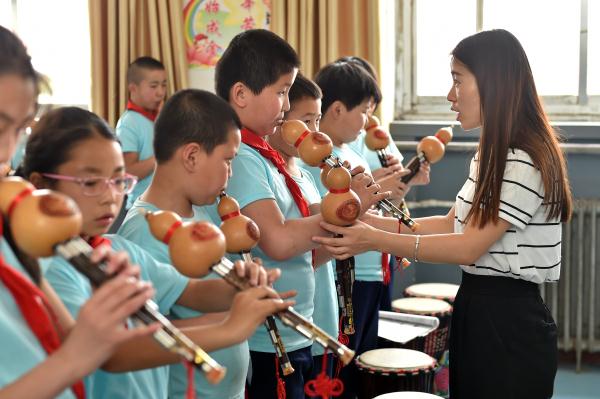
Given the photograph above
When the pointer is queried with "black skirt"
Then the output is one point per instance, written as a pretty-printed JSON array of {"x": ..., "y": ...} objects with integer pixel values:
[{"x": 503, "y": 341}]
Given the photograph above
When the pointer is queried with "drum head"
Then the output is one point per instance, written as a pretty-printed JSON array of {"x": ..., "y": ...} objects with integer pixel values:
[
  {"x": 433, "y": 290},
  {"x": 407, "y": 395},
  {"x": 422, "y": 306},
  {"x": 395, "y": 359}
]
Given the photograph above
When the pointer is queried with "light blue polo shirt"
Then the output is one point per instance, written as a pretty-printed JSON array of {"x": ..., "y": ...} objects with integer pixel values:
[
  {"x": 74, "y": 290},
  {"x": 326, "y": 313},
  {"x": 368, "y": 264},
  {"x": 370, "y": 156},
  {"x": 20, "y": 350},
  {"x": 136, "y": 134},
  {"x": 255, "y": 178},
  {"x": 235, "y": 358}
]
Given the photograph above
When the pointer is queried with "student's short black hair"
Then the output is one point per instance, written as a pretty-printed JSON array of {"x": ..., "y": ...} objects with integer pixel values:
[
  {"x": 303, "y": 87},
  {"x": 136, "y": 68},
  {"x": 365, "y": 64},
  {"x": 345, "y": 82},
  {"x": 193, "y": 116},
  {"x": 361, "y": 62},
  {"x": 257, "y": 58}
]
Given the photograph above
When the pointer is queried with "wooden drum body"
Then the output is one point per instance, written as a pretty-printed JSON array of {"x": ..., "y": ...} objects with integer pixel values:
[{"x": 393, "y": 369}]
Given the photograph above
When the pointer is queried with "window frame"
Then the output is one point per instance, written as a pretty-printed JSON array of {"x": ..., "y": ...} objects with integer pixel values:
[{"x": 409, "y": 106}]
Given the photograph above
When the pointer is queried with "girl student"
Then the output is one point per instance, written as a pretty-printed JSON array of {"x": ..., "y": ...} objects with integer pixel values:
[{"x": 41, "y": 346}]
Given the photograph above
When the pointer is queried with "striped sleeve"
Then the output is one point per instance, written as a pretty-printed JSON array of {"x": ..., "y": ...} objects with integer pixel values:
[{"x": 522, "y": 190}]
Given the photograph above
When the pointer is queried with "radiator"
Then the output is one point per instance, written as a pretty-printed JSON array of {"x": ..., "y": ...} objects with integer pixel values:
[{"x": 573, "y": 301}]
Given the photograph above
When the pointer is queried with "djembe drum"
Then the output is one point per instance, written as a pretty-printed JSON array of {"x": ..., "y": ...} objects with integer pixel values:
[{"x": 393, "y": 369}]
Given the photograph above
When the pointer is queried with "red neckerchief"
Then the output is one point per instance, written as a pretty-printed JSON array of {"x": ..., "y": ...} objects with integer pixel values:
[
  {"x": 36, "y": 311},
  {"x": 251, "y": 139},
  {"x": 131, "y": 106},
  {"x": 268, "y": 152}
]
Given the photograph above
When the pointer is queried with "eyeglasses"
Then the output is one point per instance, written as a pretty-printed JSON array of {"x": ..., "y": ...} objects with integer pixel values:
[{"x": 94, "y": 186}]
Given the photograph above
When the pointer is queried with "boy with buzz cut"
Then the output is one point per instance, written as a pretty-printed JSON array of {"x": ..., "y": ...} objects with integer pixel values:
[
  {"x": 195, "y": 140},
  {"x": 389, "y": 177},
  {"x": 348, "y": 93},
  {"x": 254, "y": 75},
  {"x": 147, "y": 86}
]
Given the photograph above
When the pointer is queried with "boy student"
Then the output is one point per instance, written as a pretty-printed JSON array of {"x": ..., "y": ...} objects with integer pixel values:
[
  {"x": 305, "y": 105},
  {"x": 348, "y": 93},
  {"x": 196, "y": 137},
  {"x": 388, "y": 177},
  {"x": 74, "y": 152},
  {"x": 147, "y": 86},
  {"x": 254, "y": 75}
]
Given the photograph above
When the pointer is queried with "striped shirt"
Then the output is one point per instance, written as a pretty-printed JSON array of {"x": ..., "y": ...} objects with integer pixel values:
[{"x": 531, "y": 247}]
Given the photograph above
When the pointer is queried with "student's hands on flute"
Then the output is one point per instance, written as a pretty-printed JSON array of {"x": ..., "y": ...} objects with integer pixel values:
[
  {"x": 393, "y": 165},
  {"x": 251, "y": 307},
  {"x": 256, "y": 274},
  {"x": 368, "y": 192},
  {"x": 422, "y": 176},
  {"x": 393, "y": 183},
  {"x": 101, "y": 322}
]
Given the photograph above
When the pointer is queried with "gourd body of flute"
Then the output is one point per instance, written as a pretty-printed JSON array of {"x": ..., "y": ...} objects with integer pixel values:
[
  {"x": 376, "y": 138},
  {"x": 313, "y": 147},
  {"x": 203, "y": 238},
  {"x": 38, "y": 218},
  {"x": 241, "y": 232},
  {"x": 341, "y": 206}
]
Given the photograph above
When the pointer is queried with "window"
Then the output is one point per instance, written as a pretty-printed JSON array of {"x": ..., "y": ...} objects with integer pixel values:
[
  {"x": 559, "y": 37},
  {"x": 57, "y": 36},
  {"x": 593, "y": 70}
]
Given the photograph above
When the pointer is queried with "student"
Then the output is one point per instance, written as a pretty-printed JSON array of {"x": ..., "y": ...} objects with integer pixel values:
[
  {"x": 147, "y": 86},
  {"x": 506, "y": 224},
  {"x": 348, "y": 93},
  {"x": 195, "y": 139},
  {"x": 389, "y": 177},
  {"x": 73, "y": 151},
  {"x": 40, "y": 359},
  {"x": 254, "y": 75},
  {"x": 305, "y": 105}
]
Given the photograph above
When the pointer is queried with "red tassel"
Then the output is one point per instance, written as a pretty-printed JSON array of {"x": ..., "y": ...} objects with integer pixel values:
[
  {"x": 191, "y": 390},
  {"x": 324, "y": 386},
  {"x": 385, "y": 267},
  {"x": 345, "y": 340},
  {"x": 342, "y": 338},
  {"x": 281, "y": 394}
]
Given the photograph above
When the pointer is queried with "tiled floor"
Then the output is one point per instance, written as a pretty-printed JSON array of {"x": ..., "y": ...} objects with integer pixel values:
[{"x": 570, "y": 385}]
